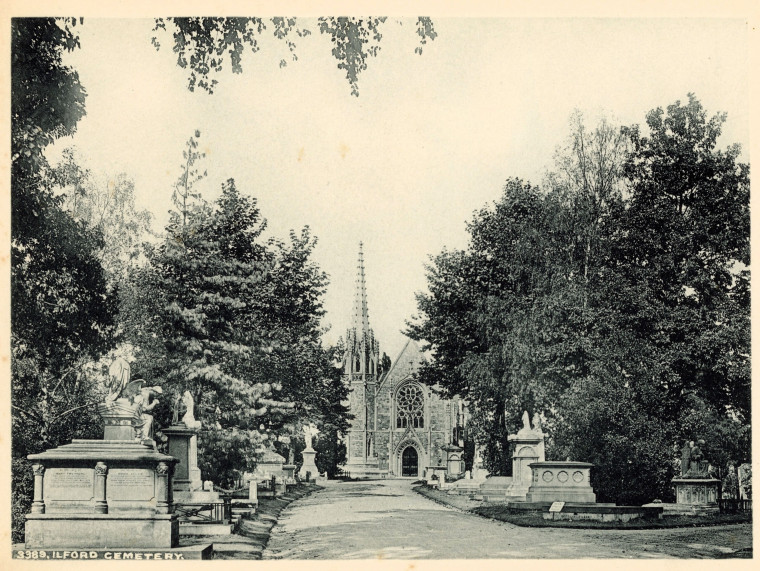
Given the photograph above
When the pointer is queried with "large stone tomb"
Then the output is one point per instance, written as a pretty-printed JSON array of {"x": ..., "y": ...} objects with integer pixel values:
[
  {"x": 561, "y": 482},
  {"x": 696, "y": 496},
  {"x": 103, "y": 494}
]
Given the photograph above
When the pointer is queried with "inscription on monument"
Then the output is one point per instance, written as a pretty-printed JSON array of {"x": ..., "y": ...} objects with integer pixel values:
[
  {"x": 69, "y": 484},
  {"x": 130, "y": 484}
]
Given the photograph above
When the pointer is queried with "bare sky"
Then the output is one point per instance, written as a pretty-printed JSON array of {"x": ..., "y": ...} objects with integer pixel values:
[{"x": 430, "y": 139}]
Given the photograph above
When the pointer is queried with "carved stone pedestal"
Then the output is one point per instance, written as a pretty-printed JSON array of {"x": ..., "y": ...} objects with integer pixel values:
[
  {"x": 697, "y": 496},
  {"x": 308, "y": 464}
]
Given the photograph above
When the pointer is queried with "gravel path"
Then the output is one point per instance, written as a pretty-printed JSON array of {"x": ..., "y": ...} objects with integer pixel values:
[{"x": 385, "y": 519}]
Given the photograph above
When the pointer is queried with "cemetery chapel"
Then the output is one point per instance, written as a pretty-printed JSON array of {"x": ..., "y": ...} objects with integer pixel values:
[{"x": 400, "y": 426}]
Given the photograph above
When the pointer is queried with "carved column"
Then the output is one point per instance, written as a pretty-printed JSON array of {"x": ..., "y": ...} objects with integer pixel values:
[
  {"x": 38, "y": 505},
  {"x": 101, "y": 473},
  {"x": 170, "y": 488},
  {"x": 162, "y": 489}
]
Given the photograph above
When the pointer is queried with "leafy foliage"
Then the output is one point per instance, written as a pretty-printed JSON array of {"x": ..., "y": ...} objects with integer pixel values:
[
  {"x": 61, "y": 311},
  {"x": 235, "y": 320},
  {"x": 614, "y": 302},
  {"x": 203, "y": 45}
]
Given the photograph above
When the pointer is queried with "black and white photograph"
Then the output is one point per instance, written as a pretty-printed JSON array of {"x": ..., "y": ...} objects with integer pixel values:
[{"x": 305, "y": 283}]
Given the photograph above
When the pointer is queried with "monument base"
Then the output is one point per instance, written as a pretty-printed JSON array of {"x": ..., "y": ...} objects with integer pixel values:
[
  {"x": 195, "y": 497},
  {"x": 494, "y": 489},
  {"x": 365, "y": 471},
  {"x": 308, "y": 464},
  {"x": 101, "y": 531}
]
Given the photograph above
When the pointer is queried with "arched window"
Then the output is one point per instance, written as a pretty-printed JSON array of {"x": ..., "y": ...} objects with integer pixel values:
[{"x": 410, "y": 407}]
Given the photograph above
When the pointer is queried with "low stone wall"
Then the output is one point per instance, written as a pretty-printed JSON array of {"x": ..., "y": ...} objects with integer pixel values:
[{"x": 603, "y": 513}]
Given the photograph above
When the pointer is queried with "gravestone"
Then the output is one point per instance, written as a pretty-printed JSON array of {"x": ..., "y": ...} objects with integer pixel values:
[
  {"x": 479, "y": 473},
  {"x": 115, "y": 492}
]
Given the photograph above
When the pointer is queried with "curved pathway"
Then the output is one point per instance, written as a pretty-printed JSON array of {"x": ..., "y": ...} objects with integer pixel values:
[{"x": 386, "y": 519}]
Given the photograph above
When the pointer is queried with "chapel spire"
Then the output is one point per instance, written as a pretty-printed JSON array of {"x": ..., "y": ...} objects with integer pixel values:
[
  {"x": 362, "y": 349},
  {"x": 360, "y": 314}
]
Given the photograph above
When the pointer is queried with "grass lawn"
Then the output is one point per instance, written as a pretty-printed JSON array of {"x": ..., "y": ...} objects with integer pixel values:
[{"x": 535, "y": 519}]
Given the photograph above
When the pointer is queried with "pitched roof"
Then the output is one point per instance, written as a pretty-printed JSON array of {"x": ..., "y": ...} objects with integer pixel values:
[{"x": 410, "y": 352}]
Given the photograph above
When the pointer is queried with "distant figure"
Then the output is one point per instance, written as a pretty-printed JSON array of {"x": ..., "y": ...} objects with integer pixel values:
[
  {"x": 189, "y": 418},
  {"x": 526, "y": 420}
]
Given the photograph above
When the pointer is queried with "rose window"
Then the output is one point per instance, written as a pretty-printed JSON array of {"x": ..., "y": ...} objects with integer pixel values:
[{"x": 410, "y": 407}]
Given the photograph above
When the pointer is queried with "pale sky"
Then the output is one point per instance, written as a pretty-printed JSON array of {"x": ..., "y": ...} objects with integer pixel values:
[{"x": 430, "y": 139}]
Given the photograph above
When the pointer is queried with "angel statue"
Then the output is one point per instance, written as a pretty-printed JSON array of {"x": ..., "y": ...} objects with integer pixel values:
[
  {"x": 189, "y": 417},
  {"x": 309, "y": 432},
  {"x": 118, "y": 380}
]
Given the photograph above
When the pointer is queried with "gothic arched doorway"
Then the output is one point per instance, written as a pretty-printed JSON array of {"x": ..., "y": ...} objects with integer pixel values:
[{"x": 409, "y": 462}]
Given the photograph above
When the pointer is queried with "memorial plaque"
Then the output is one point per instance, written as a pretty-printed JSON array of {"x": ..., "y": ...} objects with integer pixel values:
[
  {"x": 556, "y": 507},
  {"x": 69, "y": 484},
  {"x": 130, "y": 484}
]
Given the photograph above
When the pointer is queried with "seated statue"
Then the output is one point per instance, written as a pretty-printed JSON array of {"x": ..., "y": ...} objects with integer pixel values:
[{"x": 143, "y": 403}]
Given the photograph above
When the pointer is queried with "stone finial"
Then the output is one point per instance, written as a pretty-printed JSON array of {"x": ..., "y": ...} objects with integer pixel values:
[{"x": 526, "y": 420}]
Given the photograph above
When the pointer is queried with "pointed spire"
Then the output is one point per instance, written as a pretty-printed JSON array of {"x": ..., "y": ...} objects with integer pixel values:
[{"x": 360, "y": 315}]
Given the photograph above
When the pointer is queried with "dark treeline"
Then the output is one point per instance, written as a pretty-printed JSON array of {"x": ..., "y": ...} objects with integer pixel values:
[{"x": 613, "y": 301}]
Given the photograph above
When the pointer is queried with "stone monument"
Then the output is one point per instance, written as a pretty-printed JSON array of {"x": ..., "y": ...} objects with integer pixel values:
[
  {"x": 479, "y": 473},
  {"x": 269, "y": 464},
  {"x": 470, "y": 484},
  {"x": 309, "y": 453},
  {"x": 529, "y": 448},
  {"x": 696, "y": 490},
  {"x": 289, "y": 469},
  {"x": 182, "y": 443},
  {"x": 454, "y": 461},
  {"x": 110, "y": 493}
]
